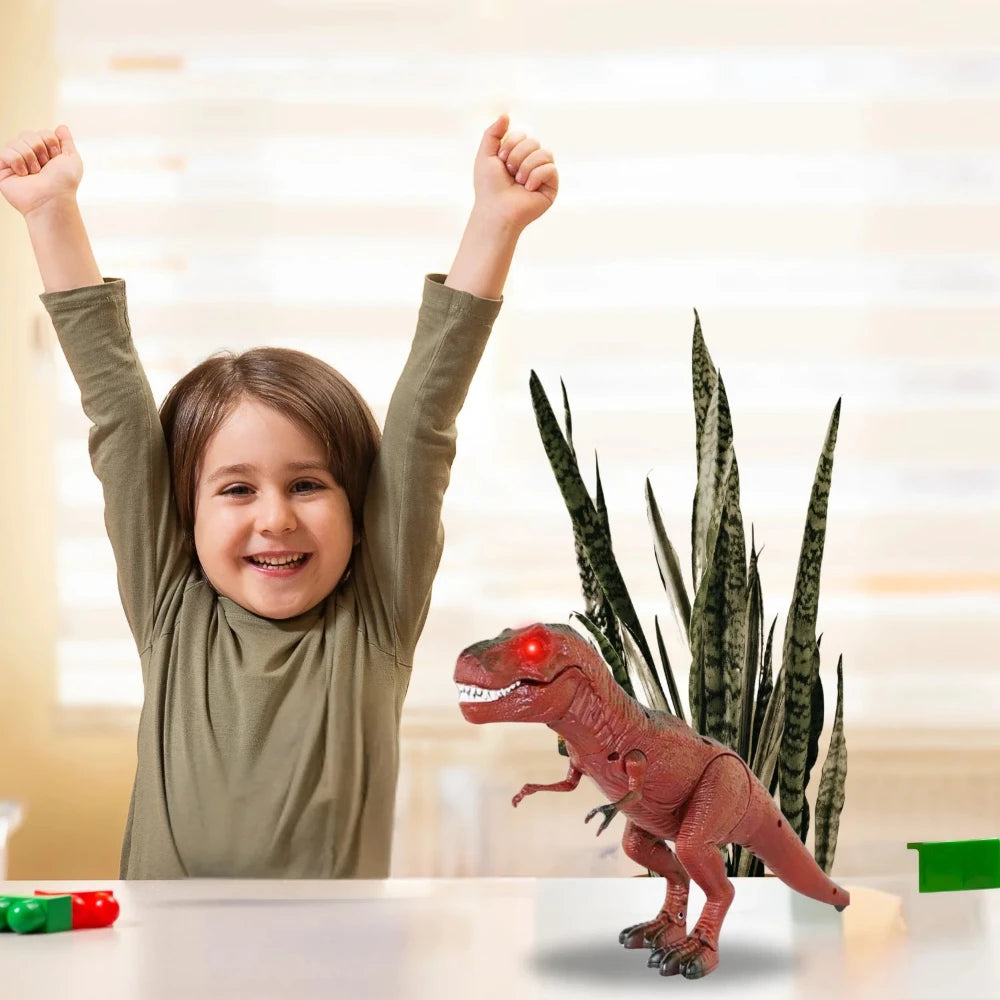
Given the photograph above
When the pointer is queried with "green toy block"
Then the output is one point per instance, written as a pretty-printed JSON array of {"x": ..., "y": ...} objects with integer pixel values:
[
  {"x": 953, "y": 865},
  {"x": 36, "y": 914}
]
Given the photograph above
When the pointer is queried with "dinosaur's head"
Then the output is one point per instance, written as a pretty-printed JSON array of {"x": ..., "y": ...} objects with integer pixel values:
[{"x": 528, "y": 675}]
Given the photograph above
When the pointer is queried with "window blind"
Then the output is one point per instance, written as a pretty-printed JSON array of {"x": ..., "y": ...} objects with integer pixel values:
[{"x": 820, "y": 181}]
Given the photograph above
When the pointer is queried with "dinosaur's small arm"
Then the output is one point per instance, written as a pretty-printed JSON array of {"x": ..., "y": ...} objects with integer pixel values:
[
  {"x": 635, "y": 768},
  {"x": 566, "y": 785},
  {"x": 672, "y": 783}
]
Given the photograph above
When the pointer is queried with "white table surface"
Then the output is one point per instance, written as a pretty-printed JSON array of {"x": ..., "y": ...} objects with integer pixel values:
[{"x": 512, "y": 938}]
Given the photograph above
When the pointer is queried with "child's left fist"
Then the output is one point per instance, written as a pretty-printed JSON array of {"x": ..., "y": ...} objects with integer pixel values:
[{"x": 515, "y": 179}]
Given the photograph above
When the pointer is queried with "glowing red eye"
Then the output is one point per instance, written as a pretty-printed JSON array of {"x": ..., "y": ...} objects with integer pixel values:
[{"x": 533, "y": 647}]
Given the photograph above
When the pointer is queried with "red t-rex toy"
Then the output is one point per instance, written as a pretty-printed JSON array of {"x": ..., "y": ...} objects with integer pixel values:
[{"x": 671, "y": 783}]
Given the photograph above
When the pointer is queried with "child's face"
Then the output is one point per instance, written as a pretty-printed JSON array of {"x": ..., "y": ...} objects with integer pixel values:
[{"x": 283, "y": 504}]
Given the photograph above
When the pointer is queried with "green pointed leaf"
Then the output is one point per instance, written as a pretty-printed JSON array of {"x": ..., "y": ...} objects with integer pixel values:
[
  {"x": 764, "y": 687},
  {"x": 615, "y": 663},
  {"x": 832, "y": 781},
  {"x": 703, "y": 377},
  {"x": 669, "y": 566},
  {"x": 715, "y": 457},
  {"x": 705, "y": 681},
  {"x": 591, "y": 589},
  {"x": 668, "y": 672},
  {"x": 734, "y": 613},
  {"x": 717, "y": 625},
  {"x": 644, "y": 671},
  {"x": 584, "y": 514},
  {"x": 800, "y": 640},
  {"x": 595, "y": 603},
  {"x": 567, "y": 418},
  {"x": 604, "y": 612},
  {"x": 751, "y": 657},
  {"x": 765, "y": 762},
  {"x": 815, "y": 731},
  {"x": 762, "y": 668}
]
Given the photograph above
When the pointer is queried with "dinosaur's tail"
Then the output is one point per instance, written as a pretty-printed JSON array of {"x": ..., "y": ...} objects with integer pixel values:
[{"x": 777, "y": 845}]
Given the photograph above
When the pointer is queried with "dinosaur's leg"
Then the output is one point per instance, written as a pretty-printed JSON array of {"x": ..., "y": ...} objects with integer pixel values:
[
  {"x": 716, "y": 806},
  {"x": 669, "y": 927}
]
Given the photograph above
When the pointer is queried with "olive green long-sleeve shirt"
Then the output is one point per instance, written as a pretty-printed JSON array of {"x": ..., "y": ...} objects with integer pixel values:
[{"x": 270, "y": 748}]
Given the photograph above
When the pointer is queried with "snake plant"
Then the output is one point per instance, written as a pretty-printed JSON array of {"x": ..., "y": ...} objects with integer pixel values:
[{"x": 771, "y": 715}]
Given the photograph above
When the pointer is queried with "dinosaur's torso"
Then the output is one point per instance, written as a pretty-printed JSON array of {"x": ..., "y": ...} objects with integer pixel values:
[{"x": 676, "y": 757}]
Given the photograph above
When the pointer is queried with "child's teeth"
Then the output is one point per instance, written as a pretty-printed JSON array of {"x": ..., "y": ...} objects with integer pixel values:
[{"x": 274, "y": 564}]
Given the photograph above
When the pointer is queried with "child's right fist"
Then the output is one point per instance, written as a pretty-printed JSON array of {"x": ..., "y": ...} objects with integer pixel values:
[{"x": 39, "y": 167}]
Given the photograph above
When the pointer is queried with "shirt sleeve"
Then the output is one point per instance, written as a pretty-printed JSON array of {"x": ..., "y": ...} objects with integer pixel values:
[
  {"x": 127, "y": 449},
  {"x": 403, "y": 537}
]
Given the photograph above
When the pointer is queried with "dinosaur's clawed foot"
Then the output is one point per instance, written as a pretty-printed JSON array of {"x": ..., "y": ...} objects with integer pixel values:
[
  {"x": 692, "y": 959},
  {"x": 652, "y": 934},
  {"x": 634, "y": 936}
]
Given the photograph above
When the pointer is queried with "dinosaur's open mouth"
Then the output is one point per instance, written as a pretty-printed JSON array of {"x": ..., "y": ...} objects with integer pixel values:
[{"x": 472, "y": 693}]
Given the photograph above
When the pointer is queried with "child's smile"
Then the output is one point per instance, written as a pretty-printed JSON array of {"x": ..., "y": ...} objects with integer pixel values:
[
  {"x": 279, "y": 563},
  {"x": 273, "y": 529}
]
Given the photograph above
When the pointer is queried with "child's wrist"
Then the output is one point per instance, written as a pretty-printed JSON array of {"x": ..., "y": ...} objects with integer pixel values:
[
  {"x": 493, "y": 225},
  {"x": 57, "y": 205}
]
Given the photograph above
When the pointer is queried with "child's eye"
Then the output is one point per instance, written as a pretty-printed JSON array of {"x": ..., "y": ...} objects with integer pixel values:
[{"x": 303, "y": 486}]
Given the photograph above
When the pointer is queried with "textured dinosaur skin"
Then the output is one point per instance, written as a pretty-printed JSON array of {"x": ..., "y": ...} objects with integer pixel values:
[{"x": 671, "y": 783}]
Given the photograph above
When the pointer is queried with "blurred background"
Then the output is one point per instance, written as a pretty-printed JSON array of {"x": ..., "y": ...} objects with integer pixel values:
[{"x": 819, "y": 179}]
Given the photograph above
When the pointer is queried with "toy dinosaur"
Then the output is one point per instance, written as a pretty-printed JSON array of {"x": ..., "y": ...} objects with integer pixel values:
[{"x": 672, "y": 783}]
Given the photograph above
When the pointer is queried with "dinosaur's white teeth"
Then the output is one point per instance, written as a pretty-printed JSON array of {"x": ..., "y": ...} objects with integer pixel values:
[{"x": 469, "y": 692}]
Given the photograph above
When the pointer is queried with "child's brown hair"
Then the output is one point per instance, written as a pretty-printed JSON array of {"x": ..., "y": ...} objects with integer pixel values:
[{"x": 297, "y": 385}]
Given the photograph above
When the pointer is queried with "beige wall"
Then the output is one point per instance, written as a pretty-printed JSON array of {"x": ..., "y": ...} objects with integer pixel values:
[{"x": 75, "y": 786}]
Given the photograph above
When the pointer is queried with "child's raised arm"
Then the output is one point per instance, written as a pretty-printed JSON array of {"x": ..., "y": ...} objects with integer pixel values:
[
  {"x": 515, "y": 181},
  {"x": 39, "y": 175}
]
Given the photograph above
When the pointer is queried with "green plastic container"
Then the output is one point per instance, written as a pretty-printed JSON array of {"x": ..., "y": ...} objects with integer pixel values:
[{"x": 953, "y": 865}]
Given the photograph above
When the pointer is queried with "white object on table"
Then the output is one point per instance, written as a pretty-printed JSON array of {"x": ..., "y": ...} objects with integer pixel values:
[{"x": 11, "y": 814}]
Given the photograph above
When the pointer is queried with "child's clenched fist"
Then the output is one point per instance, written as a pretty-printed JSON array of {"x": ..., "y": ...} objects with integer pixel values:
[
  {"x": 39, "y": 167},
  {"x": 515, "y": 179}
]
